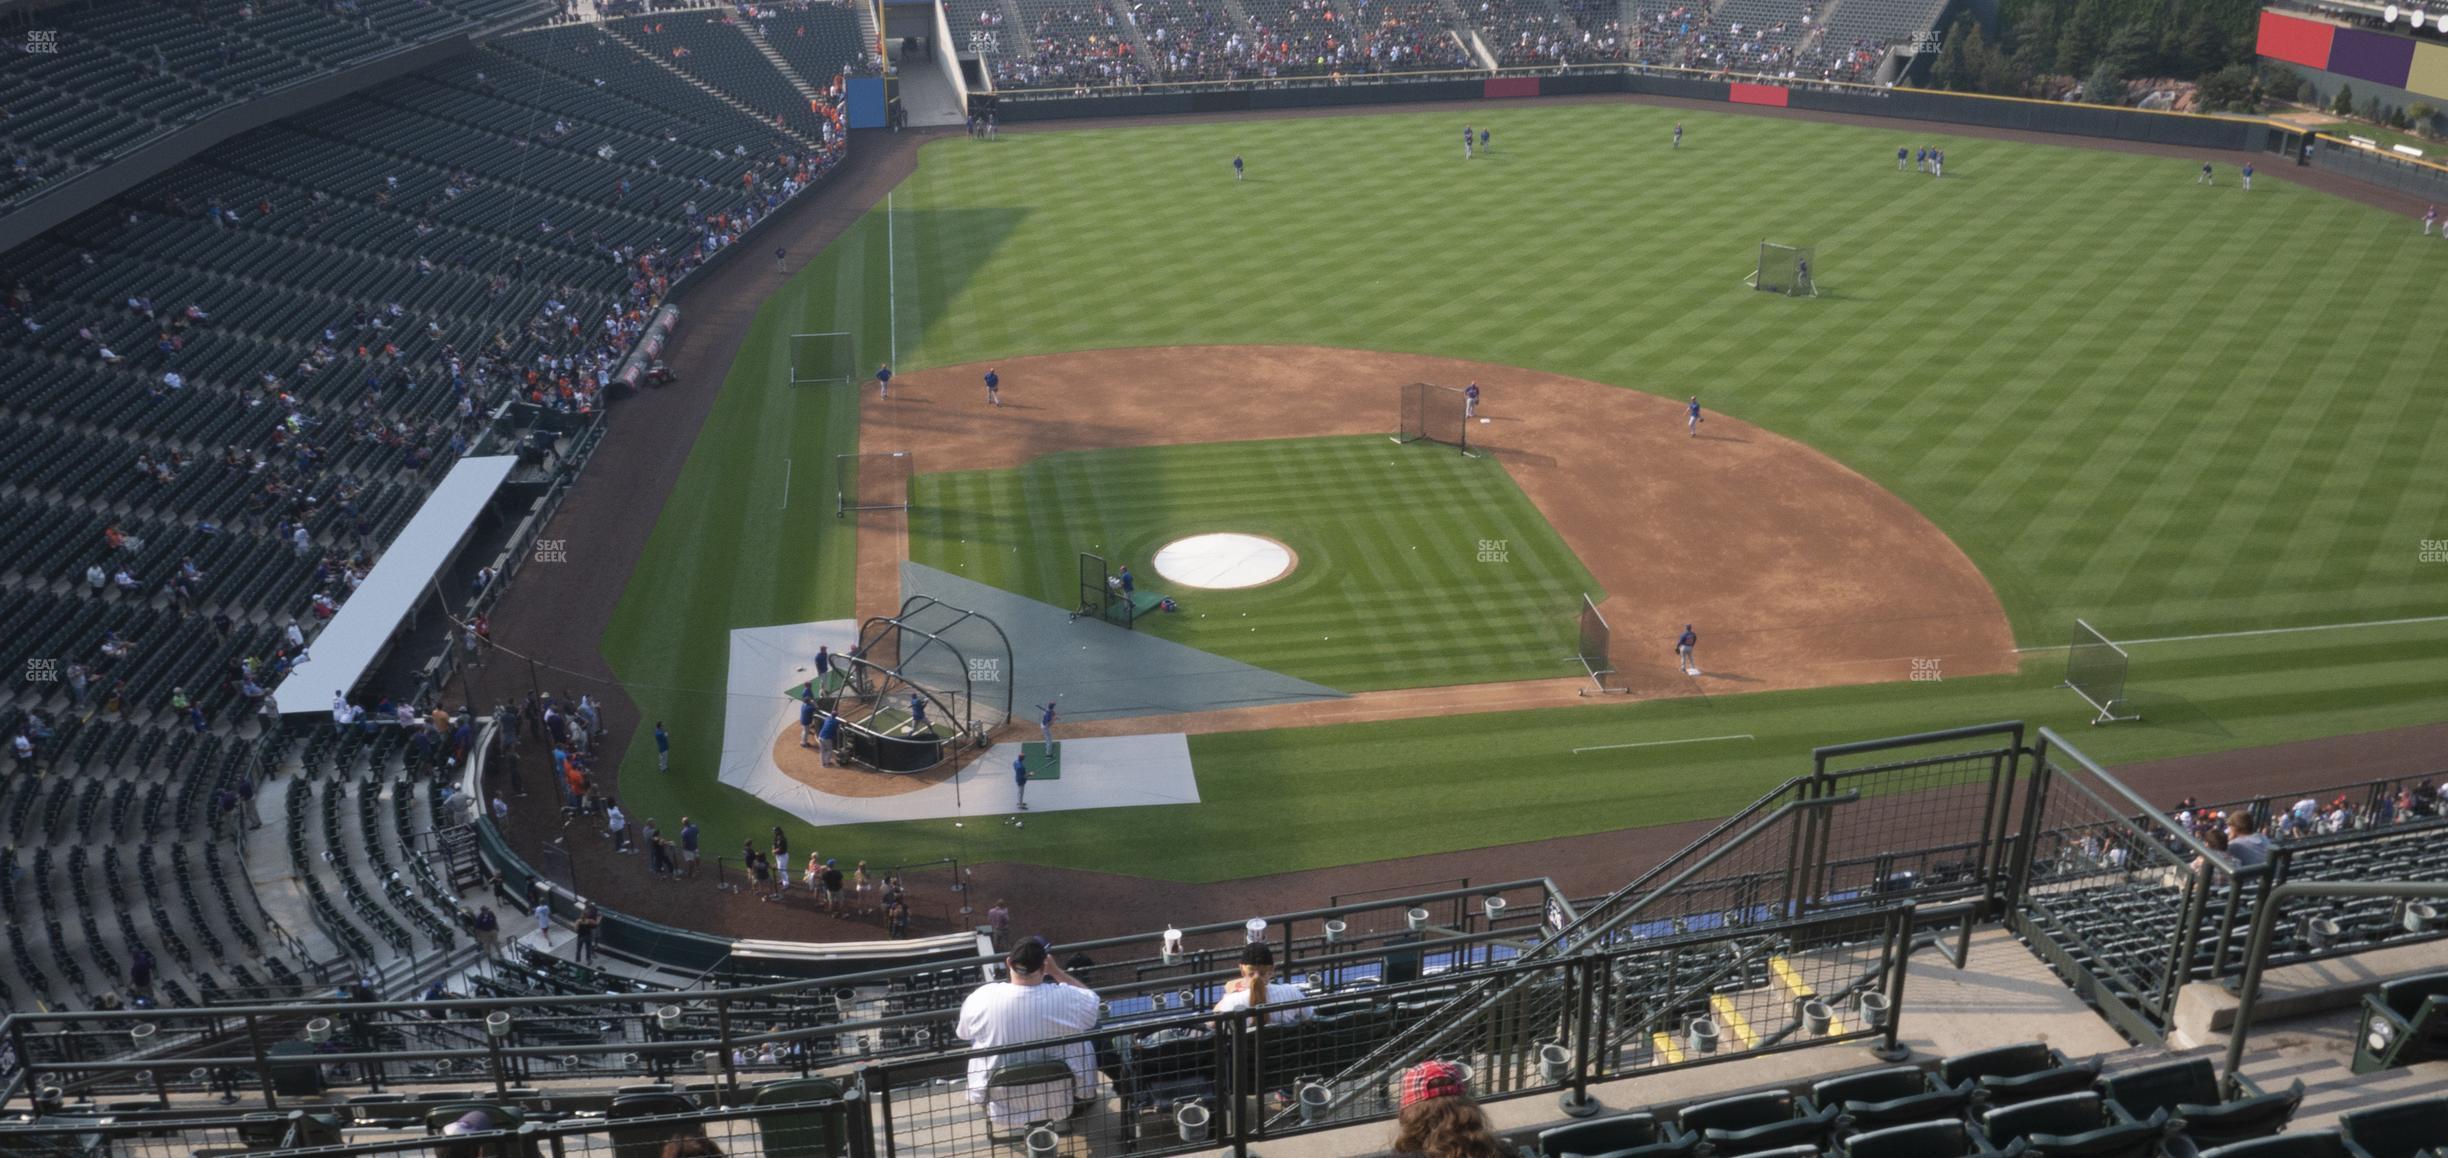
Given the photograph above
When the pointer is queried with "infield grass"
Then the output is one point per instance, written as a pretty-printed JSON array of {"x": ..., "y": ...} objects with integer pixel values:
[
  {"x": 2166, "y": 409},
  {"x": 1416, "y": 565}
]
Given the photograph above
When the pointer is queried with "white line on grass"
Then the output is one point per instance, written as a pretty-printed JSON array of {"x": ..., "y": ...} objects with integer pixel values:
[
  {"x": 1659, "y": 743},
  {"x": 2420, "y": 619},
  {"x": 786, "y": 484},
  {"x": 892, "y": 290}
]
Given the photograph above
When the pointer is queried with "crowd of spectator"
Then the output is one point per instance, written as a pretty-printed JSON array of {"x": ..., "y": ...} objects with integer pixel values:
[
  {"x": 1073, "y": 47},
  {"x": 1215, "y": 40},
  {"x": 2310, "y": 816}
]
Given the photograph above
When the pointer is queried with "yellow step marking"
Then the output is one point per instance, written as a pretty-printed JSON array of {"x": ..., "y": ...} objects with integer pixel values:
[
  {"x": 1731, "y": 1020},
  {"x": 1794, "y": 984},
  {"x": 1667, "y": 1048}
]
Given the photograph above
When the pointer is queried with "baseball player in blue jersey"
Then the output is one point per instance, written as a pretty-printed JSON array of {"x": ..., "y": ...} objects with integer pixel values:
[
  {"x": 994, "y": 387},
  {"x": 1903, "y": 156},
  {"x": 1470, "y": 401},
  {"x": 1020, "y": 777},
  {"x": 1237, "y": 171},
  {"x": 1045, "y": 723},
  {"x": 883, "y": 381},
  {"x": 1678, "y": 141},
  {"x": 2248, "y": 176},
  {"x": 1691, "y": 418},
  {"x": 1467, "y": 138},
  {"x": 1683, "y": 650}
]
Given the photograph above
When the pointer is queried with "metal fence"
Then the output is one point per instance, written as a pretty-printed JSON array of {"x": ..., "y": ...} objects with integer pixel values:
[
  {"x": 1785, "y": 926},
  {"x": 1164, "y": 1075},
  {"x": 1197, "y": 1080},
  {"x": 2380, "y": 167}
]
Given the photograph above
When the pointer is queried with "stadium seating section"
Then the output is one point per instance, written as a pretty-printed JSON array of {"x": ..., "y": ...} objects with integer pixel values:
[
  {"x": 1031, "y": 44},
  {"x": 122, "y": 73},
  {"x": 234, "y": 383}
]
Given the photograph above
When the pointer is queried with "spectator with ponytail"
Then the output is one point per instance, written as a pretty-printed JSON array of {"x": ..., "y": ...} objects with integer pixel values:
[{"x": 1257, "y": 988}]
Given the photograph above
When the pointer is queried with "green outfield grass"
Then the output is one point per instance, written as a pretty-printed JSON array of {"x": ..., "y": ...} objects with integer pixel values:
[
  {"x": 2167, "y": 409},
  {"x": 1417, "y": 566}
]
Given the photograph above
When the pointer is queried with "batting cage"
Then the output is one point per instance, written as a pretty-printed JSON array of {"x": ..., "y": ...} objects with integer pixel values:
[
  {"x": 1598, "y": 650},
  {"x": 2095, "y": 669},
  {"x": 871, "y": 482},
  {"x": 822, "y": 359},
  {"x": 1434, "y": 413},
  {"x": 1101, "y": 595},
  {"x": 921, "y": 685},
  {"x": 1785, "y": 269}
]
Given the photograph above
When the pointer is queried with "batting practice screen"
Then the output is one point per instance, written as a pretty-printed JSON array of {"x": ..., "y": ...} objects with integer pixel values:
[
  {"x": 1597, "y": 646},
  {"x": 2095, "y": 669},
  {"x": 1435, "y": 414},
  {"x": 871, "y": 482},
  {"x": 818, "y": 359},
  {"x": 1099, "y": 596},
  {"x": 1785, "y": 269}
]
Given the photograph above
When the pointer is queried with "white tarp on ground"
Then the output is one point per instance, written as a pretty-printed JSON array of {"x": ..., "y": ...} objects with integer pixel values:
[
  {"x": 765, "y": 663},
  {"x": 353, "y": 641},
  {"x": 1104, "y": 772}
]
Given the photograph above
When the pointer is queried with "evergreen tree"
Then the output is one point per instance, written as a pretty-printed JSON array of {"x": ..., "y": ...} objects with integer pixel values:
[
  {"x": 2086, "y": 33},
  {"x": 2344, "y": 104},
  {"x": 2106, "y": 86},
  {"x": 1954, "y": 69},
  {"x": 2033, "y": 40}
]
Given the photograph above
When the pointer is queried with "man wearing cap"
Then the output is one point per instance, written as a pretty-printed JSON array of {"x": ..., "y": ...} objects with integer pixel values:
[
  {"x": 832, "y": 880},
  {"x": 1035, "y": 1002}
]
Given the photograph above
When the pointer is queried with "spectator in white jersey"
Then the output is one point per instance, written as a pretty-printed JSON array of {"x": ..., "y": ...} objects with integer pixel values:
[
  {"x": 1036, "y": 1001},
  {"x": 1283, "y": 1002}
]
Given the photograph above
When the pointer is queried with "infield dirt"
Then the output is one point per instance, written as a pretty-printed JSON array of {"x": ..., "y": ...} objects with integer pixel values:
[{"x": 1797, "y": 571}]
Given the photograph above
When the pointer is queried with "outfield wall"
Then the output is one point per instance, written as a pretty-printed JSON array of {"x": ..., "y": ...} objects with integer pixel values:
[
  {"x": 2186, "y": 130},
  {"x": 2419, "y": 178}
]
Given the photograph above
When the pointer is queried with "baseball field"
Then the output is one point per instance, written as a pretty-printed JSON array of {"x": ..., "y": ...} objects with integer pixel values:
[{"x": 2194, "y": 417}]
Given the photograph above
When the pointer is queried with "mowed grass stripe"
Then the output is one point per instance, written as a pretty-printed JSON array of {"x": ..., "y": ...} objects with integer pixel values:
[
  {"x": 2161, "y": 407},
  {"x": 1391, "y": 589}
]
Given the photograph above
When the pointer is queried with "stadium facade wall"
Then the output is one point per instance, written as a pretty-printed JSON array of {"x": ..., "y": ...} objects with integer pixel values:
[
  {"x": 1993, "y": 112},
  {"x": 64, "y": 199}
]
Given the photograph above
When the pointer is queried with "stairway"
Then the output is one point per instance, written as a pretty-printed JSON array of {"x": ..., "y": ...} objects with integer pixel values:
[
  {"x": 872, "y": 35},
  {"x": 718, "y": 94},
  {"x": 1466, "y": 33},
  {"x": 754, "y": 31},
  {"x": 461, "y": 857}
]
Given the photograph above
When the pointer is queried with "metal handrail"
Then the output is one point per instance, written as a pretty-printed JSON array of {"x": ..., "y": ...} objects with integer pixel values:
[{"x": 2265, "y": 920}]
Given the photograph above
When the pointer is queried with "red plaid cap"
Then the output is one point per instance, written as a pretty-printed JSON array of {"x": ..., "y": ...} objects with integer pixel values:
[{"x": 1431, "y": 1079}]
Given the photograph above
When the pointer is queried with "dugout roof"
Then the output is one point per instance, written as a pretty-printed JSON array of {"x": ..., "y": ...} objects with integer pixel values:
[{"x": 354, "y": 641}]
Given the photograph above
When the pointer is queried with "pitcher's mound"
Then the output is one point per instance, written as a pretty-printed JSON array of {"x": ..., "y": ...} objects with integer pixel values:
[{"x": 1224, "y": 561}]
